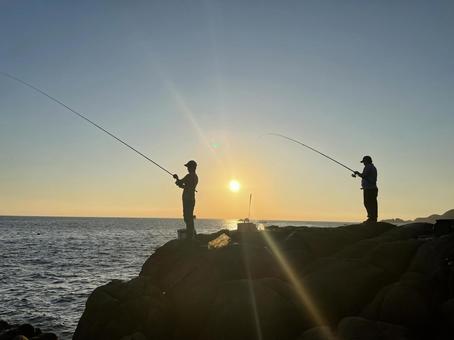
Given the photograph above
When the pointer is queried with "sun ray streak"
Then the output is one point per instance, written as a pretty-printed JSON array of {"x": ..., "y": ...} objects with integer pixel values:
[
  {"x": 303, "y": 295},
  {"x": 258, "y": 327}
]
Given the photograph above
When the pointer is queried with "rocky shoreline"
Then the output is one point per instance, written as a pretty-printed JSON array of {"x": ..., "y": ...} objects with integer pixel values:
[
  {"x": 23, "y": 332},
  {"x": 367, "y": 281}
]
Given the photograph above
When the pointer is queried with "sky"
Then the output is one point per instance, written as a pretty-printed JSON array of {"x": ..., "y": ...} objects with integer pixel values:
[{"x": 206, "y": 80}]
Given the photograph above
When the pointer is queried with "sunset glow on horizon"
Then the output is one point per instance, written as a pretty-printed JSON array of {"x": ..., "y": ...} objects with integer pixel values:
[{"x": 204, "y": 81}]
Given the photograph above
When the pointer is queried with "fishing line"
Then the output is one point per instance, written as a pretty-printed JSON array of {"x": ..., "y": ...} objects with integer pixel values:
[
  {"x": 85, "y": 118},
  {"x": 311, "y": 148}
]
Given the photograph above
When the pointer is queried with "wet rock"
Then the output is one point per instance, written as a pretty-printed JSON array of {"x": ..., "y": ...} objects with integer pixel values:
[{"x": 23, "y": 331}]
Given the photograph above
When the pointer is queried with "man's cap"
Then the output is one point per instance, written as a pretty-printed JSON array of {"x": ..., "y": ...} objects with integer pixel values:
[
  {"x": 367, "y": 159},
  {"x": 191, "y": 164}
]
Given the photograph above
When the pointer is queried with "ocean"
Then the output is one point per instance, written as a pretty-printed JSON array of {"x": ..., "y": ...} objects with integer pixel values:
[{"x": 49, "y": 265}]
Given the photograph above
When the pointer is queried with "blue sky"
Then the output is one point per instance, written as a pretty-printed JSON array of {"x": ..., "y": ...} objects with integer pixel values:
[{"x": 174, "y": 77}]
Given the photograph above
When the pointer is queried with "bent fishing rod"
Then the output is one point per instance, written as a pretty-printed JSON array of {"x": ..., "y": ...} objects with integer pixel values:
[
  {"x": 80, "y": 115},
  {"x": 313, "y": 149}
]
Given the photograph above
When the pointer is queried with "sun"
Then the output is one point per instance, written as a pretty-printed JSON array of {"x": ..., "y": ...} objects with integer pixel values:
[{"x": 234, "y": 185}]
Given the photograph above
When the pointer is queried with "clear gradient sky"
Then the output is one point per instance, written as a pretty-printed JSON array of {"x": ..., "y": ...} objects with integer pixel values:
[{"x": 204, "y": 80}]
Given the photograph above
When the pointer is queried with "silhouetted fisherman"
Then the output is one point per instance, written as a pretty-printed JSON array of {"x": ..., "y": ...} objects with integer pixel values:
[
  {"x": 370, "y": 190},
  {"x": 188, "y": 183}
]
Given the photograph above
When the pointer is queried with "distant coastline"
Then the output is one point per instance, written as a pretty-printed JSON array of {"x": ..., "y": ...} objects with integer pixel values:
[{"x": 428, "y": 219}]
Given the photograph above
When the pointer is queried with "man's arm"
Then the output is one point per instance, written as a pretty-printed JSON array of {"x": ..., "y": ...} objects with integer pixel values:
[
  {"x": 180, "y": 182},
  {"x": 366, "y": 172}
]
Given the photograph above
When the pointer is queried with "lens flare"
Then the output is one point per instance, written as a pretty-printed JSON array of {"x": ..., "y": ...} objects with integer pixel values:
[{"x": 234, "y": 185}]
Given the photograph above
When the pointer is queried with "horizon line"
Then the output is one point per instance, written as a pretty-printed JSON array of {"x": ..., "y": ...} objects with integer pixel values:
[{"x": 175, "y": 218}]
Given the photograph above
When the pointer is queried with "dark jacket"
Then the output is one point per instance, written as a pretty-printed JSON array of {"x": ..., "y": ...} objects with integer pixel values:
[
  {"x": 189, "y": 184},
  {"x": 369, "y": 177}
]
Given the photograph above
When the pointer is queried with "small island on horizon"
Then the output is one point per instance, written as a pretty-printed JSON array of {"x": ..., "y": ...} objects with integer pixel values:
[{"x": 428, "y": 219}]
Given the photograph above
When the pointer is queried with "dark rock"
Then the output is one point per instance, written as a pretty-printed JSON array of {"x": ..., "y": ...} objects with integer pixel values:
[
  {"x": 447, "y": 318},
  {"x": 282, "y": 283},
  {"x": 197, "y": 282},
  {"x": 16, "y": 330},
  {"x": 26, "y": 330},
  {"x": 122, "y": 308},
  {"x": 408, "y": 231},
  {"x": 45, "y": 336},
  {"x": 359, "y": 249},
  {"x": 253, "y": 309},
  {"x": 326, "y": 241},
  {"x": 393, "y": 257},
  {"x": 318, "y": 333},
  {"x": 414, "y": 299},
  {"x": 4, "y": 325},
  {"x": 443, "y": 227},
  {"x": 135, "y": 336},
  {"x": 355, "y": 328},
  {"x": 23, "y": 331},
  {"x": 340, "y": 287}
]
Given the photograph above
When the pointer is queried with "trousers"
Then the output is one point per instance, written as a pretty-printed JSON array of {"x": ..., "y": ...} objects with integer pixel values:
[
  {"x": 371, "y": 204},
  {"x": 188, "y": 216}
]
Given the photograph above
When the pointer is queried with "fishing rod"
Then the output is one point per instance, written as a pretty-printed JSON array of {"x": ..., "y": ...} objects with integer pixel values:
[
  {"x": 311, "y": 148},
  {"x": 84, "y": 117}
]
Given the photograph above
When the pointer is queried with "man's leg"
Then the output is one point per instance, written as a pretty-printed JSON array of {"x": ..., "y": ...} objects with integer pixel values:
[
  {"x": 374, "y": 205},
  {"x": 366, "y": 202},
  {"x": 370, "y": 202},
  {"x": 188, "y": 214}
]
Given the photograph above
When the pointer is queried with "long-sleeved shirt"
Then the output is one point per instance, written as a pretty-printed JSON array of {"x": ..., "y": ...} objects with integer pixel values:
[
  {"x": 369, "y": 177},
  {"x": 188, "y": 183}
]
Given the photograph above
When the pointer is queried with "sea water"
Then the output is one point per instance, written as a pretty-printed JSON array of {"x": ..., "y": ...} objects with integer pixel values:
[{"x": 50, "y": 265}]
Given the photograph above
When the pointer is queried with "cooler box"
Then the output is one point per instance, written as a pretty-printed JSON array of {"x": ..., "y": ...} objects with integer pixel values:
[
  {"x": 181, "y": 234},
  {"x": 246, "y": 226}
]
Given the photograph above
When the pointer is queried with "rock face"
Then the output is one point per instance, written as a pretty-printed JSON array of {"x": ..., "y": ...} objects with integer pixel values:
[
  {"x": 368, "y": 281},
  {"x": 23, "y": 332}
]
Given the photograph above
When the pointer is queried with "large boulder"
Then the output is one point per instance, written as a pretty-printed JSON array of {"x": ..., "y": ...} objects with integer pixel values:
[
  {"x": 121, "y": 308},
  {"x": 355, "y": 328},
  {"x": 321, "y": 242},
  {"x": 191, "y": 276},
  {"x": 393, "y": 257},
  {"x": 414, "y": 300},
  {"x": 194, "y": 293},
  {"x": 253, "y": 309},
  {"x": 338, "y": 288},
  {"x": 409, "y": 232}
]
